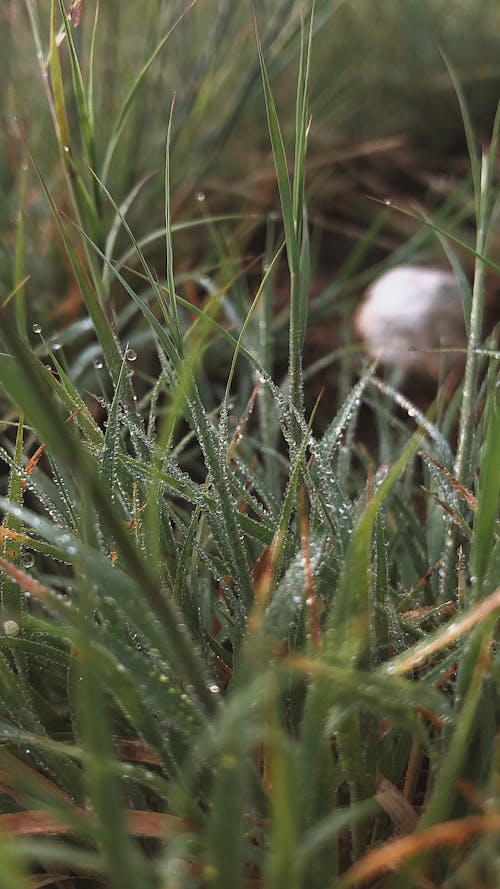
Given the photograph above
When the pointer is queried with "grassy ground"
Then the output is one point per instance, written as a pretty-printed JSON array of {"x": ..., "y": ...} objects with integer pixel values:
[{"x": 248, "y": 633}]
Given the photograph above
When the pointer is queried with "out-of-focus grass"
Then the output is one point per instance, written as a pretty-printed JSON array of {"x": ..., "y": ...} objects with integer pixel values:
[{"x": 237, "y": 648}]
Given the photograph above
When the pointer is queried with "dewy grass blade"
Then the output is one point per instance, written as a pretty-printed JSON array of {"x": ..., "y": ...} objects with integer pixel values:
[
  {"x": 186, "y": 398},
  {"x": 351, "y": 616},
  {"x": 25, "y": 385}
]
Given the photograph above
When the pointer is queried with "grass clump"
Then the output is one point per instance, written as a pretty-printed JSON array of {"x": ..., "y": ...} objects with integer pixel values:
[{"x": 237, "y": 648}]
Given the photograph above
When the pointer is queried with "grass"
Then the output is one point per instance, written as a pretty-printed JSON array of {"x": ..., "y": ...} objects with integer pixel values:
[{"x": 239, "y": 647}]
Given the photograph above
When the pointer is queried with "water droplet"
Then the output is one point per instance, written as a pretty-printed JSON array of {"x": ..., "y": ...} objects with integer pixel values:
[
  {"x": 11, "y": 628},
  {"x": 130, "y": 355},
  {"x": 214, "y": 689},
  {"x": 56, "y": 346},
  {"x": 37, "y": 328},
  {"x": 28, "y": 560},
  {"x": 48, "y": 367},
  {"x": 200, "y": 196},
  {"x": 98, "y": 364},
  {"x": 387, "y": 202},
  {"x": 67, "y": 149}
]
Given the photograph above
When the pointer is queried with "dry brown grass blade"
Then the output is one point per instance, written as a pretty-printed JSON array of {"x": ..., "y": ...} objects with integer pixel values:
[
  {"x": 28, "y": 583},
  {"x": 395, "y": 804},
  {"x": 392, "y": 855},
  {"x": 451, "y": 633},
  {"x": 38, "y": 822},
  {"x": 459, "y": 488}
]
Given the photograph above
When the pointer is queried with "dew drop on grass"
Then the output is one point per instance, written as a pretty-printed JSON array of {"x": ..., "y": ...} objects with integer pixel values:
[
  {"x": 11, "y": 628},
  {"x": 130, "y": 355},
  {"x": 214, "y": 689},
  {"x": 37, "y": 328},
  {"x": 200, "y": 196},
  {"x": 98, "y": 364},
  {"x": 388, "y": 202},
  {"x": 56, "y": 346},
  {"x": 28, "y": 560}
]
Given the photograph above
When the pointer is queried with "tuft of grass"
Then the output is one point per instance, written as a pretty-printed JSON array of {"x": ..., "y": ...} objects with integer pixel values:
[{"x": 238, "y": 648}]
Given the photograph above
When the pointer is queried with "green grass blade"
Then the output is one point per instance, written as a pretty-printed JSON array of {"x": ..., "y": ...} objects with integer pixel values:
[
  {"x": 132, "y": 95},
  {"x": 486, "y": 517}
]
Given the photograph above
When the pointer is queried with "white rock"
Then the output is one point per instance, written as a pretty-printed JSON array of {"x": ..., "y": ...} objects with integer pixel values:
[{"x": 409, "y": 315}]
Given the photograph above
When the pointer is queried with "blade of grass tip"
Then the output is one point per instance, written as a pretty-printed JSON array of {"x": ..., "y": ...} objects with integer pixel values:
[
  {"x": 175, "y": 327},
  {"x": 301, "y": 120},
  {"x": 130, "y": 98},
  {"x": 90, "y": 82}
]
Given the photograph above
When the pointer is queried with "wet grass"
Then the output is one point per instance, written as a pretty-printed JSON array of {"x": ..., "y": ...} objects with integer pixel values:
[{"x": 238, "y": 648}]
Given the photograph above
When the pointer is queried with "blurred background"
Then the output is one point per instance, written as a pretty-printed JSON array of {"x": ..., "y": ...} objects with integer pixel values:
[{"x": 385, "y": 124}]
